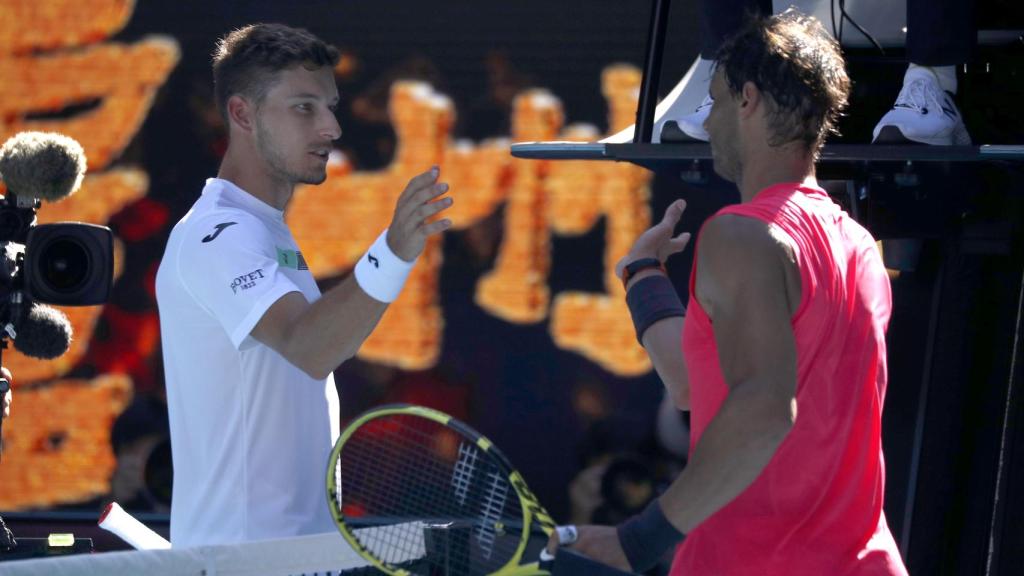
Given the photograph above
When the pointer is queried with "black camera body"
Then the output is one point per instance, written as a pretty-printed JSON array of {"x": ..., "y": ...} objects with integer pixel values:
[
  {"x": 69, "y": 263},
  {"x": 66, "y": 263}
]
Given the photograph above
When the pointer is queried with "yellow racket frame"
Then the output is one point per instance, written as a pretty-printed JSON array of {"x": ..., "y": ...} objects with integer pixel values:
[{"x": 533, "y": 512}]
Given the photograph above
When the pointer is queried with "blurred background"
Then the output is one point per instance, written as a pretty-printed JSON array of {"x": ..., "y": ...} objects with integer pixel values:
[
  {"x": 513, "y": 321},
  {"x": 420, "y": 83}
]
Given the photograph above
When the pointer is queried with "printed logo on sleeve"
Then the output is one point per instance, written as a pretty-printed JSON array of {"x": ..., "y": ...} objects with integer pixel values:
[
  {"x": 291, "y": 259},
  {"x": 246, "y": 281},
  {"x": 216, "y": 232},
  {"x": 373, "y": 260}
]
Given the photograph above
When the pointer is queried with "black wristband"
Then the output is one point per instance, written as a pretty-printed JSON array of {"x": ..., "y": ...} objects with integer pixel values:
[
  {"x": 631, "y": 269},
  {"x": 651, "y": 299},
  {"x": 647, "y": 536}
]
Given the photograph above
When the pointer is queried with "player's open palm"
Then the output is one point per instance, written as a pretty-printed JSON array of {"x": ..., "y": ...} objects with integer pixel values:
[
  {"x": 658, "y": 241},
  {"x": 413, "y": 221}
]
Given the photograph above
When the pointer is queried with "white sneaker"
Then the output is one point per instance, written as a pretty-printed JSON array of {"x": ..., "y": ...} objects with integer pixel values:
[
  {"x": 692, "y": 124},
  {"x": 923, "y": 113}
]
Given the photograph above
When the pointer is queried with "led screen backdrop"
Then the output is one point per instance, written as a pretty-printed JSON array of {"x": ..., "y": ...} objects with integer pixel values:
[{"x": 513, "y": 319}]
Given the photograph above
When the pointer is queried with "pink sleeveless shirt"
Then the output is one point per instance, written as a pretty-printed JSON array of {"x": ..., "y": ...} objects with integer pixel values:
[{"x": 816, "y": 509}]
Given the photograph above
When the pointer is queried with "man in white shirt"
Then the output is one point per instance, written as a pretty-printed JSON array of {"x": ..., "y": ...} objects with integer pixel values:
[{"x": 249, "y": 342}]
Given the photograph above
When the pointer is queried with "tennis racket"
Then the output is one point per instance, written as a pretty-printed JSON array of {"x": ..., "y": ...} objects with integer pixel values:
[{"x": 415, "y": 491}]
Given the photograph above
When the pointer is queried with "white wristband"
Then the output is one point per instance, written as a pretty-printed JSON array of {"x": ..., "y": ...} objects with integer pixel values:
[{"x": 380, "y": 273}]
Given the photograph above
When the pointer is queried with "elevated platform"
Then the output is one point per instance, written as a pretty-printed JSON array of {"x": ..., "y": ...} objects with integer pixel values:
[{"x": 837, "y": 160}]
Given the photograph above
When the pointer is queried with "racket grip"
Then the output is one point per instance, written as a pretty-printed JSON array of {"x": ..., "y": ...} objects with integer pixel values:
[{"x": 114, "y": 519}]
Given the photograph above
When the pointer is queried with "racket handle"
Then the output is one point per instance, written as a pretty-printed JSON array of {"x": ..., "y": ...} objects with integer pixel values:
[{"x": 125, "y": 526}]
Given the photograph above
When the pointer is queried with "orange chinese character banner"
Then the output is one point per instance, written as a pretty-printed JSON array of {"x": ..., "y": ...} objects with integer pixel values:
[{"x": 522, "y": 288}]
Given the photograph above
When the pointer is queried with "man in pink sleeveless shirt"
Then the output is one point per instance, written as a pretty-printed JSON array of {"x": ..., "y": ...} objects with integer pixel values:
[{"x": 782, "y": 361}]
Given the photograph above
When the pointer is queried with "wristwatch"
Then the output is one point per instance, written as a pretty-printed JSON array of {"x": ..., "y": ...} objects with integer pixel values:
[{"x": 639, "y": 264}]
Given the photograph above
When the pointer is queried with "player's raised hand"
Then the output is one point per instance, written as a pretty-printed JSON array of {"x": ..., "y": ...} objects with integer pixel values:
[
  {"x": 658, "y": 241},
  {"x": 413, "y": 220}
]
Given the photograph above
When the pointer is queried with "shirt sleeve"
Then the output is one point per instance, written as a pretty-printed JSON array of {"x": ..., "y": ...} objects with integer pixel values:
[{"x": 229, "y": 266}]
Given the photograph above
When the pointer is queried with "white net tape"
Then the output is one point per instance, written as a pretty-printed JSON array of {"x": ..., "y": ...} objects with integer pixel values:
[{"x": 319, "y": 555}]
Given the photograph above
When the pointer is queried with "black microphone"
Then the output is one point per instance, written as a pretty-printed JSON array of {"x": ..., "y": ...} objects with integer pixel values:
[
  {"x": 68, "y": 263},
  {"x": 42, "y": 166},
  {"x": 42, "y": 332}
]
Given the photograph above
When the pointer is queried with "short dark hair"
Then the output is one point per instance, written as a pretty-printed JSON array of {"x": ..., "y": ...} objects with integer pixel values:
[
  {"x": 246, "y": 60},
  {"x": 792, "y": 59}
]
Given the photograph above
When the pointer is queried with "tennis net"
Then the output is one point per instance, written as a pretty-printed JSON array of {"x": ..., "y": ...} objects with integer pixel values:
[{"x": 317, "y": 555}]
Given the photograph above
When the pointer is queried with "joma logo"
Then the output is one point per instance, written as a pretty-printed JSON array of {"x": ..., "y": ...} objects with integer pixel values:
[{"x": 217, "y": 230}]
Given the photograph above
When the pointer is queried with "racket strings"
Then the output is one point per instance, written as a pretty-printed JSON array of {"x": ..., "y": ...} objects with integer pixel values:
[{"x": 427, "y": 493}]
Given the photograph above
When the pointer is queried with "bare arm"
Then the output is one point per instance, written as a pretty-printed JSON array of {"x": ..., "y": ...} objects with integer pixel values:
[
  {"x": 319, "y": 337},
  {"x": 663, "y": 343},
  {"x": 663, "y": 339},
  {"x": 745, "y": 283},
  {"x": 748, "y": 283}
]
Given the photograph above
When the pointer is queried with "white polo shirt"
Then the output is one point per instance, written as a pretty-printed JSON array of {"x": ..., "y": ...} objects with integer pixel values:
[{"x": 250, "y": 432}]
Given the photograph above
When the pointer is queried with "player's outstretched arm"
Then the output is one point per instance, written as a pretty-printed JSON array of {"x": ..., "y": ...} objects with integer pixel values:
[
  {"x": 743, "y": 272},
  {"x": 319, "y": 337},
  {"x": 745, "y": 275},
  {"x": 661, "y": 339}
]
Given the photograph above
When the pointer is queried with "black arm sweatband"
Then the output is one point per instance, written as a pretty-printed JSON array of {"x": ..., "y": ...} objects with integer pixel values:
[
  {"x": 651, "y": 299},
  {"x": 647, "y": 536}
]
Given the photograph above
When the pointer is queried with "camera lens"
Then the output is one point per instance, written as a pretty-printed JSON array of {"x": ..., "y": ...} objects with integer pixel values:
[
  {"x": 65, "y": 264},
  {"x": 69, "y": 263}
]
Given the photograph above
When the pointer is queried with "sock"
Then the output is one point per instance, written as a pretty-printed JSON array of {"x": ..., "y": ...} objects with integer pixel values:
[{"x": 945, "y": 74}]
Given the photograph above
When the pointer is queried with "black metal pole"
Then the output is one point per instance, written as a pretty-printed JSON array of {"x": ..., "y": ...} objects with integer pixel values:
[
  {"x": 644, "y": 127},
  {"x": 922, "y": 405},
  {"x": 993, "y": 561}
]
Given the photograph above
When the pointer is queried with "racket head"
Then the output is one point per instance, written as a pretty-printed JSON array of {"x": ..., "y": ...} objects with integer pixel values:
[{"x": 415, "y": 491}]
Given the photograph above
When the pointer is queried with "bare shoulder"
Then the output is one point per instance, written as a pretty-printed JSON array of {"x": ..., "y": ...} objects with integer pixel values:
[
  {"x": 737, "y": 253},
  {"x": 731, "y": 239}
]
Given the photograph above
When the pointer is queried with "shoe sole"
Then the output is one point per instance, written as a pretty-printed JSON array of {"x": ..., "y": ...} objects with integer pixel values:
[
  {"x": 893, "y": 135},
  {"x": 672, "y": 132}
]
